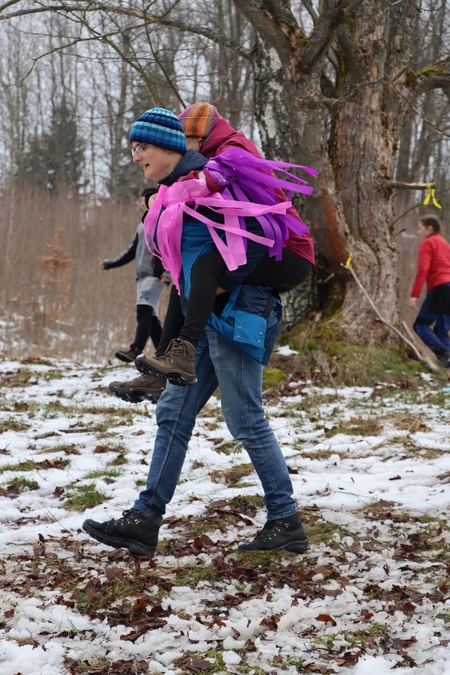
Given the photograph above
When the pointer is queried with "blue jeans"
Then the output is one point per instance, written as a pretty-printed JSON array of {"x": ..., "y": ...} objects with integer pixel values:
[
  {"x": 218, "y": 363},
  {"x": 433, "y": 328}
]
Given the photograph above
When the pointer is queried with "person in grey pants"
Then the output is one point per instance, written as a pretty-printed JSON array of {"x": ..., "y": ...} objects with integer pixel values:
[{"x": 150, "y": 276}]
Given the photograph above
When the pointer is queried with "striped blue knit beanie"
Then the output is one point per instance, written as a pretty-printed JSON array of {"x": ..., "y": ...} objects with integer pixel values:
[{"x": 159, "y": 127}]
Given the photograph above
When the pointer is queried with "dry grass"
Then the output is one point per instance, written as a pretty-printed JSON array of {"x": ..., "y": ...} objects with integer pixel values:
[{"x": 54, "y": 298}]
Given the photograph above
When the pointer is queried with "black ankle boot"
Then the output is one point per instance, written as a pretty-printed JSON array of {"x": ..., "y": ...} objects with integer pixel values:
[
  {"x": 286, "y": 533},
  {"x": 135, "y": 531},
  {"x": 128, "y": 355}
]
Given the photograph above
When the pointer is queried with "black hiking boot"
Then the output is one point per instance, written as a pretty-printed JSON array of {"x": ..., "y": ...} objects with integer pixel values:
[
  {"x": 130, "y": 355},
  {"x": 135, "y": 531},
  {"x": 177, "y": 364},
  {"x": 286, "y": 533},
  {"x": 141, "y": 388}
]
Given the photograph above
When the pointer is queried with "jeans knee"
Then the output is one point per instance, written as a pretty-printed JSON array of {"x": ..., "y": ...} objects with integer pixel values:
[
  {"x": 245, "y": 429},
  {"x": 236, "y": 430},
  {"x": 170, "y": 408},
  {"x": 421, "y": 328}
]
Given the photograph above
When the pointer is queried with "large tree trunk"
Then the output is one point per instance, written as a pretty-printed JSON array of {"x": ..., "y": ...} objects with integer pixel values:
[{"x": 350, "y": 139}]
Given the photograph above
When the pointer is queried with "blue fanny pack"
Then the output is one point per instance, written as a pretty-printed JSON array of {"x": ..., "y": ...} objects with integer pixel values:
[{"x": 251, "y": 320}]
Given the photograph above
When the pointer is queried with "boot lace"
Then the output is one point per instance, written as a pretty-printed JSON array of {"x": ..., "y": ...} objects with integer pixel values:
[
  {"x": 272, "y": 529},
  {"x": 176, "y": 347},
  {"x": 129, "y": 517}
]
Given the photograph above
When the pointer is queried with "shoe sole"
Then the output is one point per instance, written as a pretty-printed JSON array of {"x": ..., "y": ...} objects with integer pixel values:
[
  {"x": 179, "y": 378},
  {"x": 135, "y": 395},
  {"x": 125, "y": 359},
  {"x": 293, "y": 547},
  {"x": 134, "y": 547}
]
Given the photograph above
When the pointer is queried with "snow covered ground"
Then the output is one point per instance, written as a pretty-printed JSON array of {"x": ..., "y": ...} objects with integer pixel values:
[{"x": 371, "y": 472}]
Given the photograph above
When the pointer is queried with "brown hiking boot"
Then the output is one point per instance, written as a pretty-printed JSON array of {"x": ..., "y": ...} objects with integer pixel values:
[
  {"x": 177, "y": 364},
  {"x": 142, "y": 387},
  {"x": 128, "y": 356}
]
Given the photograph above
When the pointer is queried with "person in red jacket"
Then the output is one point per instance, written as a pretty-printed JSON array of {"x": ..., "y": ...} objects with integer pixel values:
[{"x": 432, "y": 323}]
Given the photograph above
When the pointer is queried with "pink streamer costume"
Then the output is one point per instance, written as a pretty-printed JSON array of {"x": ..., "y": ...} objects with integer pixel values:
[{"x": 246, "y": 187}]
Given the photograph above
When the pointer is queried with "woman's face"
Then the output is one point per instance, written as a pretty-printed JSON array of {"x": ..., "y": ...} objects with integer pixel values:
[
  {"x": 194, "y": 143},
  {"x": 157, "y": 162}
]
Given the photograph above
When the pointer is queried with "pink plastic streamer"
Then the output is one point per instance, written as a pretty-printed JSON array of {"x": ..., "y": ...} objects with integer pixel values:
[{"x": 249, "y": 190}]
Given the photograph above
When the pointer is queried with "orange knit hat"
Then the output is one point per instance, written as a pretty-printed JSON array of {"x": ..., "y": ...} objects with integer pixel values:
[{"x": 199, "y": 119}]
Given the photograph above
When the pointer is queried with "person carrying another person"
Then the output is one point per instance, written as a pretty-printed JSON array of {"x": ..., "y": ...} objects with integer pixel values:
[
  {"x": 432, "y": 323},
  {"x": 207, "y": 131},
  {"x": 222, "y": 360},
  {"x": 281, "y": 265}
]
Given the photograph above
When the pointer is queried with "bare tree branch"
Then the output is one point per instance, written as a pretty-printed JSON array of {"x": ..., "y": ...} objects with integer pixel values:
[
  {"x": 132, "y": 13},
  {"x": 310, "y": 9},
  {"x": 332, "y": 17},
  {"x": 274, "y": 22},
  {"x": 421, "y": 357},
  {"x": 438, "y": 130},
  {"x": 409, "y": 186},
  {"x": 434, "y": 76}
]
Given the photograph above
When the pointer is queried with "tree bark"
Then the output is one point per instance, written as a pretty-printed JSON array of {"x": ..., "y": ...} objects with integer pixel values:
[{"x": 351, "y": 139}]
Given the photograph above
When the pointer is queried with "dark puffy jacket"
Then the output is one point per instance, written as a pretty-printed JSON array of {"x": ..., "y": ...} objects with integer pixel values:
[{"x": 145, "y": 263}]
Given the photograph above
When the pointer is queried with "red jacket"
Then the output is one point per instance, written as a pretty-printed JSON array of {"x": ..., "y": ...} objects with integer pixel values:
[
  {"x": 433, "y": 264},
  {"x": 223, "y": 137}
]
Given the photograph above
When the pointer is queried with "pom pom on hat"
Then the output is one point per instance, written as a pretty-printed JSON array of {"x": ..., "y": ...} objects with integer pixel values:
[
  {"x": 159, "y": 127},
  {"x": 199, "y": 119}
]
